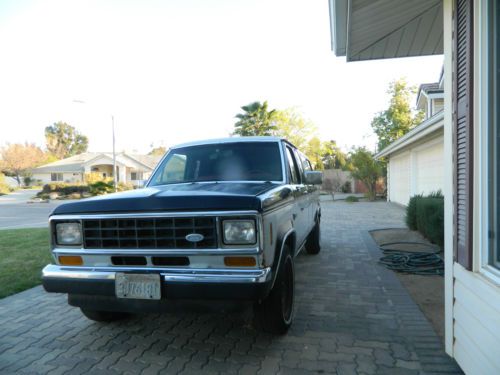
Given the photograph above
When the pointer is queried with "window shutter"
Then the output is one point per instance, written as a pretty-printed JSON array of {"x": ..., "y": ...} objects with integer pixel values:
[{"x": 463, "y": 131}]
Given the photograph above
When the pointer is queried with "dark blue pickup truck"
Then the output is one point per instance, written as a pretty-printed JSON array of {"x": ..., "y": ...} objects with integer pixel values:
[{"x": 218, "y": 219}]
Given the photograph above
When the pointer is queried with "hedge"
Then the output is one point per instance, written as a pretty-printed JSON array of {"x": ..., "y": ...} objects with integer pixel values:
[
  {"x": 426, "y": 214},
  {"x": 64, "y": 188},
  {"x": 96, "y": 188}
]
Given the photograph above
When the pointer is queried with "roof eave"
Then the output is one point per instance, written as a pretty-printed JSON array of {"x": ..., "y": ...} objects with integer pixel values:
[
  {"x": 427, "y": 127},
  {"x": 338, "y": 25}
]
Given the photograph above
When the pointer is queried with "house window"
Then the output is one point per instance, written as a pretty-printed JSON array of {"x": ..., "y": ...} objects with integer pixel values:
[
  {"x": 134, "y": 176},
  {"x": 494, "y": 134},
  {"x": 56, "y": 177}
]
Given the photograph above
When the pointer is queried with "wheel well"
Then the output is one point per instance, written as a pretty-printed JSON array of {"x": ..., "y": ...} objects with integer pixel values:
[{"x": 290, "y": 242}]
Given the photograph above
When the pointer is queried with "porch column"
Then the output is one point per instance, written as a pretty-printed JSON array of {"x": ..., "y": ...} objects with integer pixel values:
[{"x": 122, "y": 174}]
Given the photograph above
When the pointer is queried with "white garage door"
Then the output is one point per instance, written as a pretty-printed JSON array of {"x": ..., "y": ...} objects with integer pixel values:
[
  {"x": 399, "y": 175},
  {"x": 429, "y": 169}
]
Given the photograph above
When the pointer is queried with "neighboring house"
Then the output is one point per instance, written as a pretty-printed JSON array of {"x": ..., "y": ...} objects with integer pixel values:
[
  {"x": 415, "y": 161},
  {"x": 130, "y": 168},
  {"x": 468, "y": 33}
]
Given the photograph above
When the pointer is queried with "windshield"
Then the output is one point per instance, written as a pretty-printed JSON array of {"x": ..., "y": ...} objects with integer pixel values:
[{"x": 242, "y": 161}]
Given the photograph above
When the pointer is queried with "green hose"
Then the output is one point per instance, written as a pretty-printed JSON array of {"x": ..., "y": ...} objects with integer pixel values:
[{"x": 412, "y": 262}]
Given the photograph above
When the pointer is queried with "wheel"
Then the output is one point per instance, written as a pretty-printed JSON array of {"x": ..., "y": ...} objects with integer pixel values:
[
  {"x": 104, "y": 316},
  {"x": 313, "y": 241},
  {"x": 275, "y": 313}
]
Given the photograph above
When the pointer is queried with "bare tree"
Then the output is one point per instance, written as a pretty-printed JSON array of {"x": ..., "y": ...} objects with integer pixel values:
[{"x": 333, "y": 184}]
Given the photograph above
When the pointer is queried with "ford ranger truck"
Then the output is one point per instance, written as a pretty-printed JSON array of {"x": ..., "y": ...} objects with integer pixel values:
[{"x": 219, "y": 219}]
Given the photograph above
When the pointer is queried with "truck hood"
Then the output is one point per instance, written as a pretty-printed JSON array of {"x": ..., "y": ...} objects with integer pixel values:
[{"x": 174, "y": 197}]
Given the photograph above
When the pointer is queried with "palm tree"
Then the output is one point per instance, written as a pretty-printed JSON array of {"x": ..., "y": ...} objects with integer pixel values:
[{"x": 256, "y": 120}]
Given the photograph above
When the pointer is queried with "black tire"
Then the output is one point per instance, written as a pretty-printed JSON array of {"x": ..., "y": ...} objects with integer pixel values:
[
  {"x": 313, "y": 241},
  {"x": 275, "y": 313},
  {"x": 104, "y": 316}
]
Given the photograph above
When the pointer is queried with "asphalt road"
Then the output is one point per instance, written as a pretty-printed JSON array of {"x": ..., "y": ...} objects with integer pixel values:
[{"x": 16, "y": 212}]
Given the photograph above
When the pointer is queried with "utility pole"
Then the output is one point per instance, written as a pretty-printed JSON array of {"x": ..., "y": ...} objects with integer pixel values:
[{"x": 114, "y": 154}]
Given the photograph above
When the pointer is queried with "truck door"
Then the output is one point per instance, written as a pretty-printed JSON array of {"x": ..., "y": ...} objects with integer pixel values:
[{"x": 300, "y": 212}]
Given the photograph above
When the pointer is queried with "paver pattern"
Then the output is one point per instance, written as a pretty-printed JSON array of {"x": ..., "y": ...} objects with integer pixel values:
[{"x": 352, "y": 316}]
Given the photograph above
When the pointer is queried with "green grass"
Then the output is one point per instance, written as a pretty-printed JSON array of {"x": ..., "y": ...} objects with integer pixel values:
[
  {"x": 23, "y": 254},
  {"x": 352, "y": 199}
]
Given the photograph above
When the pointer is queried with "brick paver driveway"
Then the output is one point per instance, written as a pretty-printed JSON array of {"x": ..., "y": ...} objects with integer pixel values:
[{"x": 352, "y": 316}]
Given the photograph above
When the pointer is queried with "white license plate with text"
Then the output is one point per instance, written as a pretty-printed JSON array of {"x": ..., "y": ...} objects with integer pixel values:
[{"x": 137, "y": 286}]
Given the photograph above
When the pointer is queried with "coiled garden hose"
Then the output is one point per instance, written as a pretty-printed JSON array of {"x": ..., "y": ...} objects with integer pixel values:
[{"x": 413, "y": 262}]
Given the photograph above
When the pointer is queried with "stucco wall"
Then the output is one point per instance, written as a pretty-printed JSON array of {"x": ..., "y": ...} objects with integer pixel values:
[{"x": 45, "y": 178}]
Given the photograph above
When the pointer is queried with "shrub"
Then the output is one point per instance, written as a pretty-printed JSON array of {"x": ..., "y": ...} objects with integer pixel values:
[
  {"x": 352, "y": 199},
  {"x": 426, "y": 214},
  {"x": 122, "y": 186},
  {"x": 411, "y": 212},
  {"x": 101, "y": 187},
  {"x": 346, "y": 187},
  {"x": 430, "y": 219},
  {"x": 28, "y": 180},
  {"x": 93, "y": 177},
  {"x": 64, "y": 188}
]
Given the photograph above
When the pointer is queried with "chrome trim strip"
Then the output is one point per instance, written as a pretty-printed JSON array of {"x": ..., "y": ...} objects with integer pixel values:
[
  {"x": 145, "y": 252},
  {"x": 170, "y": 274},
  {"x": 152, "y": 214}
]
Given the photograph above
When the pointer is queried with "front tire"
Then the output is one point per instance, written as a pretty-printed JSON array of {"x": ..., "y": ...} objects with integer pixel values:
[
  {"x": 313, "y": 241},
  {"x": 104, "y": 316},
  {"x": 275, "y": 313}
]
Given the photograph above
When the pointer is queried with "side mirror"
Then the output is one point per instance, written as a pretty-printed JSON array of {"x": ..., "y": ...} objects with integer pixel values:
[{"x": 314, "y": 177}]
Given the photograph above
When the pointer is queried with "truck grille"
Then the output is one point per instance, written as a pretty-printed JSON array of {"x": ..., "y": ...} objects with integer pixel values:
[{"x": 149, "y": 233}]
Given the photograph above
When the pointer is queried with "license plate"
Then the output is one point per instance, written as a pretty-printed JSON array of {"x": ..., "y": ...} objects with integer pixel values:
[{"x": 137, "y": 286}]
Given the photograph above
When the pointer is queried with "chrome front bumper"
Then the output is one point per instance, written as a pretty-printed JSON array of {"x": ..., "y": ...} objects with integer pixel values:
[
  {"x": 95, "y": 287},
  {"x": 193, "y": 275}
]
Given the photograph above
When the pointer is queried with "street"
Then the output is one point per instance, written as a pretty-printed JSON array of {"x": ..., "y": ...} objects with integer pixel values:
[{"x": 16, "y": 212}]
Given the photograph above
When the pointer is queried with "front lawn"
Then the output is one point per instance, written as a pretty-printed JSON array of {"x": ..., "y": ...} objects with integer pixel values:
[{"x": 23, "y": 254}]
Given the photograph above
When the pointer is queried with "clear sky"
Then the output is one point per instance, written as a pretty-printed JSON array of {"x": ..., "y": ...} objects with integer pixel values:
[{"x": 178, "y": 70}]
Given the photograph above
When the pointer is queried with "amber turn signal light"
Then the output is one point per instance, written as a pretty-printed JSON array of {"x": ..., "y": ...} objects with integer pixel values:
[
  {"x": 240, "y": 261},
  {"x": 70, "y": 260}
]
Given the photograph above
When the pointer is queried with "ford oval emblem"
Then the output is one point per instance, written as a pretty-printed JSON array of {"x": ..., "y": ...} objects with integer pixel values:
[{"x": 195, "y": 237}]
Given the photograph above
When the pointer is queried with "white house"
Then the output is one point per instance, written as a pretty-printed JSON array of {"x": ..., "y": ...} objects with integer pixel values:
[
  {"x": 468, "y": 33},
  {"x": 130, "y": 168},
  {"x": 415, "y": 161}
]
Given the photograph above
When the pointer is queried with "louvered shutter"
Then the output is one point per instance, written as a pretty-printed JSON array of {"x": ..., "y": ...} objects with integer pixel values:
[{"x": 463, "y": 131}]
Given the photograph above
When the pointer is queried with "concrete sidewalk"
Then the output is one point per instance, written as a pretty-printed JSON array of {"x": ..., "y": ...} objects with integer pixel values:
[{"x": 352, "y": 317}]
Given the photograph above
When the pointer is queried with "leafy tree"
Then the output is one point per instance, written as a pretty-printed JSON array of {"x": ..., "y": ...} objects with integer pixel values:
[
  {"x": 366, "y": 169},
  {"x": 17, "y": 159},
  {"x": 255, "y": 120},
  {"x": 313, "y": 151},
  {"x": 292, "y": 126},
  {"x": 158, "y": 151},
  {"x": 332, "y": 156},
  {"x": 63, "y": 140},
  {"x": 398, "y": 119}
]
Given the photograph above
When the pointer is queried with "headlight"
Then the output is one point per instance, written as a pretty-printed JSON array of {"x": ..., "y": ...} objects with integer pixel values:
[
  {"x": 69, "y": 233},
  {"x": 239, "y": 232}
]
